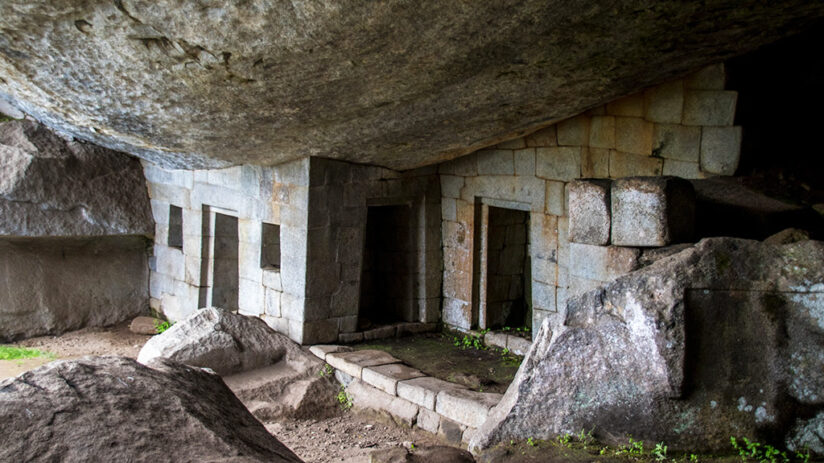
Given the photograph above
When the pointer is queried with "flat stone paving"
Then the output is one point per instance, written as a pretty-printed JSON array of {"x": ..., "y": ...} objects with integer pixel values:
[{"x": 383, "y": 382}]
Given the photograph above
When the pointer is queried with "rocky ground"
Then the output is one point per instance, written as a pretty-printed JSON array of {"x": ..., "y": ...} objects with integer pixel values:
[{"x": 347, "y": 437}]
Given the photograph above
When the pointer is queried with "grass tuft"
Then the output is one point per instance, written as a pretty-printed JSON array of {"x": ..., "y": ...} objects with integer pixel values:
[{"x": 17, "y": 353}]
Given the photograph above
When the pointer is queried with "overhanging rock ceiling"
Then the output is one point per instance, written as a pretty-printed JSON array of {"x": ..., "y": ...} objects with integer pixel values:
[{"x": 394, "y": 83}]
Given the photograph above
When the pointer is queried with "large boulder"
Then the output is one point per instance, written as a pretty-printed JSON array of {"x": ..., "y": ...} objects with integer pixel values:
[
  {"x": 722, "y": 339},
  {"x": 114, "y": 409},
  {"x": 50, "y": 186},
  {"x": 392, "y": 83},
  {"x": 269, "y": 372}
]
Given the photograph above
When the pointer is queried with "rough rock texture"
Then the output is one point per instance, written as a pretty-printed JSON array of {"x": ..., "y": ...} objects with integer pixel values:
[
  {"x": 114, "y": 409},
  {"x": 271, "y": 374},
  {"x": 421, "y": 454},
  {"x": 590, "y": 217},
  {"x": 808, "y": 434},
  {"x": 53, "y": 285},
  {"x": 392, "y": 83},
  {"x": 652, "y": 211},
  {"x": 53, "y": 187},
  {"x": 721, "y": 339}
]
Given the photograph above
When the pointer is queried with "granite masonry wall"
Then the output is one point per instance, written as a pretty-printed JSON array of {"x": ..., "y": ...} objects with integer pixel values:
[{"x": 682, "y": 128}]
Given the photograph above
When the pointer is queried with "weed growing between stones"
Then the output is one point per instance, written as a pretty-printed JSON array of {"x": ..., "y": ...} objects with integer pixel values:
[
  {"x": 344, "y": 399},
  {"x": 161, "y": 326},
  {"x": 20, "y": 353},
  {"x": 471, "y": 341},
  {"x": 326, "y": 370},
  {"x": 764, "y": 453}
]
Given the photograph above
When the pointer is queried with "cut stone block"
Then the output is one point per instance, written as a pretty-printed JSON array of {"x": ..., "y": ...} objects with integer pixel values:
[
  {"x": 713, "y": 108},
  {"x": 558, "y": 163},
  {"x": 631, "y": 106},
  {"x": 495, "y": 339},
  {"x": 595, "y": 162},
  {"x": 573, "y": 132},
  {"x": 672, "y": 141},
  {"x": 633, "y": 135},
  {"x": 386, "y": 377},
  {"x": 518, "y": 345},
  {"x": 380, "y": 333},
  {"x": 428, "y": 420},
  {"x": 321, "y": 350},
  {"x": 451, "y": 431},
  {"x": 601, "y": 263},
  {"x": 589, "y": 211},
  {"x": 424, "y": 391},
  {"x": 543, "y": 137},
  {"x": 577, "y": 286},
  {"x": 710, "y": 78},
  {"x": 353, "y": 363},
  {"x": 629, "y": 165},
  {"x": 683, "y": 169},
  {"x": 720, "y": 150},
  {"x": 555, "y": 198},
  {"x": 466, "y": 407},
  {"x": 664, "y": 103},
  {"x": 652, "y": 211},
  {"x": 349, "y": 338},
  {"x": 400, "y": 411},
  {"x": 602, "y": 132}
]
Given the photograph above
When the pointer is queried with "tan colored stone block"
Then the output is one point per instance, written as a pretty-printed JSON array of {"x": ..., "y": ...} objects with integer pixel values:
[
  {"x": 525, "y": 161},
  {"x": 633, "y": 165},
  {"x": 558, "y": 163},
  {"x": 495, "y": 162},
  {"x": 633, "y": 135},
  {"x": 720, "y": 149},
  {"x": 574, "y": 131},
  {"x": 683, "y": 169},
  {"x": 712, "y": 77},
  {"x": 514, "y": 144},
  {"x": 680, "y": 142},
  {"x": 630, "y": 106},
  {"x": 664, "y": 103},
  {"x": 555, "y": 198},
  {"x": 594, "y": 162},
  {"x": 602, "y": 132},
  {"x": 543, "y": 137},
  {"x": 710, "y": 108}
]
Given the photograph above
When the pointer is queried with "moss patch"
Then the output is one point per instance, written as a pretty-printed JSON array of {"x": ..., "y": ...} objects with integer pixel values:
[
  {"x": 18, "y": 353},
  {"x": 436, "y": 355}
]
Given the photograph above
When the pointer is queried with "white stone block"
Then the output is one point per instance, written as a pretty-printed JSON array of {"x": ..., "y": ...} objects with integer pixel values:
[
  {"x": 428, "y": 420},
  {"x": 451, "y": 186},
  {"x": 720, "y": 149},
  {"x": 271, "y": 279},
  {"x": 449, "y": 209},
  {"x": 589, "y": 211},
  {"x": 353, "y": 363},
  {"x": 543, "y": 296},
  {"x": 652, "y": 211},
  {"x": 250, "y": 296},
  {"x": 424, "y": 391},
  {"x": 160, "y": 211},
  {"x": 710, "y": 108},
  {"x": 466, "y": 407},
  {"x": 558, "y": 163},
  {"x": 271, "y": 302},
  {"x": 169, "y": 261},
  {"x": 169, "y": 194},
  {"x": 525, "y": 161},
  {"x": 386, "y": 377}
]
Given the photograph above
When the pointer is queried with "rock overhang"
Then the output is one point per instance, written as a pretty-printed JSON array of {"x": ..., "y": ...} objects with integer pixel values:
[{"x": 190, "y": 85}]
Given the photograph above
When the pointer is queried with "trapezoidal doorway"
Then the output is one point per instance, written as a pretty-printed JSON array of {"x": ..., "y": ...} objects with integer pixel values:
[
  {"x": 389, "y": 267},
  {"x": 502, "y": 277},
  {"x": 219, "y": 265}
]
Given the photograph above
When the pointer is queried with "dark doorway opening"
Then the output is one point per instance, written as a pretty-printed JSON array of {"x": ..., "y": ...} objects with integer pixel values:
[
  {"x": 507, "y": 268},
  {"x": 225, "y": 269},
  {"x": 389, "y": 267}
]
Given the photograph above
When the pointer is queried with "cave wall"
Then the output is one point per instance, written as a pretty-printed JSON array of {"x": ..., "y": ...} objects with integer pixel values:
[{"x": 680, "y": 128}]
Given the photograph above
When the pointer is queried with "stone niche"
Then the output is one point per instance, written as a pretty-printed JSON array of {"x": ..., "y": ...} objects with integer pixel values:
[{"x": 75, "y": 222}]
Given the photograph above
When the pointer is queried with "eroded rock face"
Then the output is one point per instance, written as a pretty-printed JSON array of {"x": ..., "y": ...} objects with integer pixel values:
[
  {"x": 721, "y": 339},
  {"x": 53, "y": 187},
  {"x": 114, "y": 409},
  {"x": 195, "y": 84},
  {"x": 269, "y": 372}
]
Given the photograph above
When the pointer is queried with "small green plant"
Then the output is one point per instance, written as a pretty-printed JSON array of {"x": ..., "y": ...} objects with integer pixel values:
[
  {"x": 344, "y": 399},
  {"x": 326, "y": 370},
  {"x": 19, "y": 353},
  {"x": 633, "y": 448},
  {"x": 161, "y": 326},
  {"x": 803, "y": 457},
  {"x": 471, "y": 341},
  {"x": 563, "y": 440},
  {"x": 603, "y": 451},
  {"x": 660, "y": 451},
  {"x": 764, "y": 453},
  {"x": 693, "y": 458},
  {"x": 531, "y": 442},
  {"x": 585, "y": 437},
  {"x": 411, "y": 446}
]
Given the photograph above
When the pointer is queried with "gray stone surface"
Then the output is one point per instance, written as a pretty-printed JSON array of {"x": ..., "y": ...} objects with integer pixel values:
[
  {"x": 808, "y": 435},
  {"x": 53, "y": 187},
  {"x": 386, "y": 377},
  {"x": 589, "y": 211},
  {"x": 652, "y": 211},
  {"x": 353, "y": 363},
  {"x": 321, "y": 350},
  {"x": 421, "y": 454},
  {"x": 225, "y": 342},
  {"x": 720, "y": 149},
  {"x": 114, "y": 409},
  {"x": 144, "y": 325},
  {"x": 689, "y": 351},
  {"x": 424, "y": 391},
  {"x": 601, "y": 263},
  {"x": 53, "y": 285},
  {"x": 469, "y": 408},
  {"x": 398, "y": 410},
  {"x": 69, "y": 67}
]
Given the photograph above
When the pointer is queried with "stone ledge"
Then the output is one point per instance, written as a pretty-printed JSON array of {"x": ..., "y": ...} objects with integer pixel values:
[
  {"x": 388, "y": 331},
  {"x": 353, "y": 363}
]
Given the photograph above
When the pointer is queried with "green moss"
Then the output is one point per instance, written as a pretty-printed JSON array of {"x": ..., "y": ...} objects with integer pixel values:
[{"x": 17, "y": 353}]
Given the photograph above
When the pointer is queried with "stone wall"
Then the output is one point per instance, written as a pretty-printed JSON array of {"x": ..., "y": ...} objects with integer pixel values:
[
  {"x": 339, "y": 199},
  {"x": 255, "y": 196},
  {"x": 681, "y": 128}
]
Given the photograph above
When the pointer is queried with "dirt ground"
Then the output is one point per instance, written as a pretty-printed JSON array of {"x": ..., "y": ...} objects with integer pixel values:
[{"x": 349, "y": 437}]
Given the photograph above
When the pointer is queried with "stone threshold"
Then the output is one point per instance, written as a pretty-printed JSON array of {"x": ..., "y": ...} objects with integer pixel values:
[
  {"x": 376, "y": 380},
  {"x": 501, "y": 339},
  {"x": 387, "y": 331}
]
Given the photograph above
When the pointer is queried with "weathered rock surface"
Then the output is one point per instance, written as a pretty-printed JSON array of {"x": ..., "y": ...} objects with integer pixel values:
[
  {"x": 54, "y": 285},
  {"x": 421, "y": 454},
  {"x": 114, "y": 409},
  {"x": 271, "y": 374},
  {"x": 722, "y": 339},
  {"x": 808, "y": 434},
  {"x": 53, "y": 187},
  {"x": 390, "y": 83}
]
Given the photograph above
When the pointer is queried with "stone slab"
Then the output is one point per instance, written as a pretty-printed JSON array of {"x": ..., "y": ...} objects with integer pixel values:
[
  {"x": 386, "y": 377},
  {"x": 602, "y": 263},
  {"x": 353, "y": 363},
  {"x": 466, "y": 407},
  {"x": 321, "y": 350},
  {"x": 424, "y": 391},
  {"x": 652, "y": 211},
  {"x": 364, "y": 396},
  {"x": 518, "y": 345},
  {"x": 590, "y": 212},
  {"x": 380, "y": 333}
]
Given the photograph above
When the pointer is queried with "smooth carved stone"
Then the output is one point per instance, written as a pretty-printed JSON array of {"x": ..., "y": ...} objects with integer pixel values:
[
  {"x": 353, "y": 363},
  {"x": 652, "y": 211},
  {"x": 315, "y": 78},
  {"x": 115, "y": 409},
  {"x": 590, "y": 217},
  {"x": 386, "y": 377}
]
